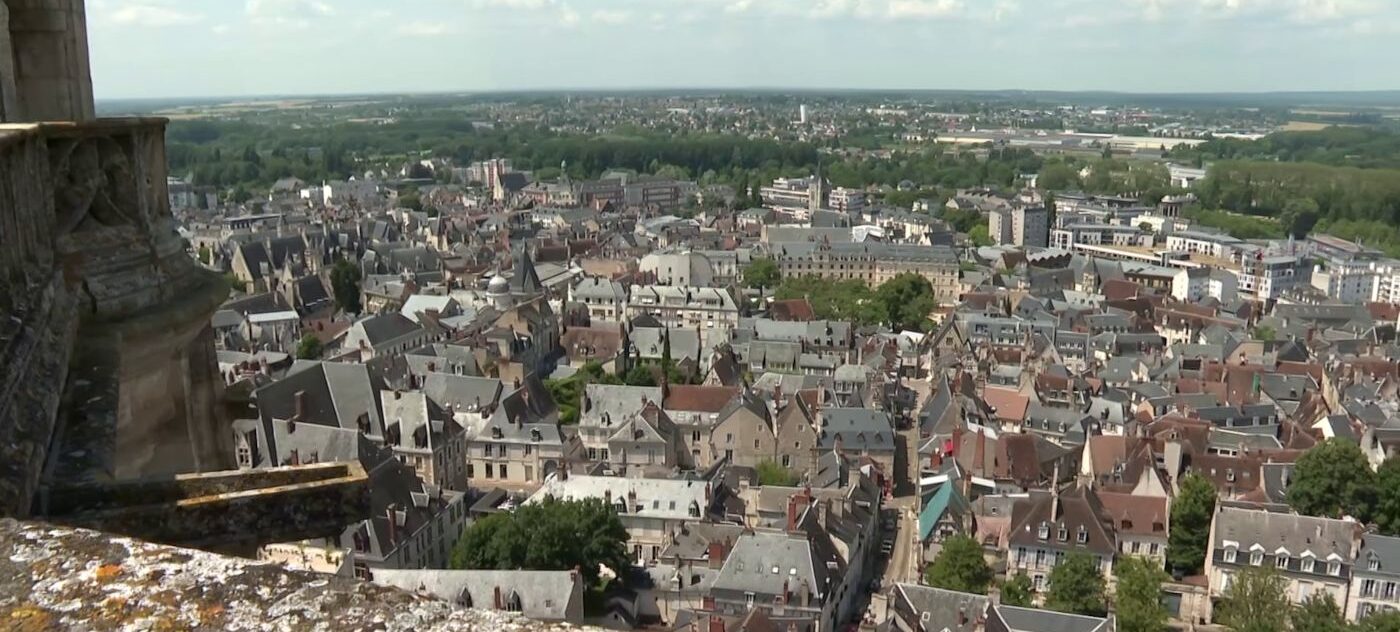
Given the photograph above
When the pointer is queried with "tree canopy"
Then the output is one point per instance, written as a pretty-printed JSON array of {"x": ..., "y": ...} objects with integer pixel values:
[
  {"x": 309, "y": 347},
  {"x": 1255, "y": 601},
  {"x": 770, "y": 472},
  {"x": 1333, "y": 479},
  {"x": 1077, "y": 586},
  {"x": 908, "y": 301},
  {"x": 1192, "y": 512},
  {"x": 1017, "y": 590},
  {"x": 1138, "y": 599},
  {"x": 960, "y": 566},
  {"x": 549, "y": 535},
  {"x": 761, "y": 272},
  {"x": 345, "y": 284},
  {"x": 1318, "y": 613}
]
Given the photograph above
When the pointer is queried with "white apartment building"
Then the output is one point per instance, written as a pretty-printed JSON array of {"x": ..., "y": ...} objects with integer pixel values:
[
  {"x": 684, "y": 307},
  {"x": 1195, "y": 284},
  {"x": 847, "y": 200}
]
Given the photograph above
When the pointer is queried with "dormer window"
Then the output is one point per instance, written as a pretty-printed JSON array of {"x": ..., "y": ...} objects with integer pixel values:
[
  {"x": 1064, "y": 533},
  {"x": 1306, "y": 566},
  {"x": 1374, "y": 564},
  {"x": 1230, "y": 475},
  {"x": 1256, "y": 558},
  {"x": 1044, "y": 531},
  {"x": 1083, "y": 535},
  {"x": 1334, "y": 568},
  {"x": 1281, "y": 562},
  {"x": 1230, "y": 556}
]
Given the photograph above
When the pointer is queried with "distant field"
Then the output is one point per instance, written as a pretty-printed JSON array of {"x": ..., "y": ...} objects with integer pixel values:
[{"x": 1305, "y": 126}]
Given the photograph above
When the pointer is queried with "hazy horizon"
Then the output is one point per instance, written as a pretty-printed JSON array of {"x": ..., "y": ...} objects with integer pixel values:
[{"x": 167, "y": 49}]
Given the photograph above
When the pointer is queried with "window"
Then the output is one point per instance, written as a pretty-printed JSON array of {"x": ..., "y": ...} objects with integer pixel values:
[
  {"x": 1153, "y": 549},
  {"x": 748, "y": 599},
  {"x": 1368, "y": 588},
  {"x": 1083, "y": 535},
  {"x": 488, "y": 470},
  {"x": 1040, "y": 558},
  {"x": 729, "y": 455},
  {"x": 729, "y": 437},
  {"x": 1281, "y": 562},
  {"x": 787, "y": 461},
  {"x": 1390, "y": 590},
  {"x": 1064, "y": 533},
  {"x": 529, "y": 449},
  {"x": 471, "y": 471},
  {"x": 503, "y": 471},
  {"x": 755, "y": 444},
  {"x": 1044, "y": 531},
  {"x": 695, "y": 436},
  {"x": 1334, "y": 568},
  {"x": 1256, "y": 558},
  {"x": 1374, "y": 565},
  {"x": 1307, "y": 565},
  {"x": 1229, "y": 556},
  {"x": 486, "y": 450}
]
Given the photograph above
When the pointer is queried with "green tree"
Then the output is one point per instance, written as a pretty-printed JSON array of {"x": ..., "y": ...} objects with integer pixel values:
[
  {"x": 1018, "y": 591},
  {"x": 549, "y": 535},
  {"x": 762, "y": 272},
  {"x": 907, "y": 299},
  {"x": 1387, "y": 511},
  {"x": 640, "y": 375},
  {"x": 1385, "y": 621},
  {"x": 205, "y": 255},
  {"x": 309, "y": 347},
  {"x": 345, "y": 284},
  {"x": 1265, "y": 333},
  {"x": 960, "y": 566},
  {"x": 235, "y": 282},
  {"x": 1333, "y": 479},
  {"x": 979, "y": 235},
  {"x": 1138, "y": 599},
  {"x": 771, "y": 473},
  {"x": 1192, "y": 512},
  {"x": 1319, "y": 613},
  {"x": 1077, "y": 586},
  {"x": 1254, "y": 602}
]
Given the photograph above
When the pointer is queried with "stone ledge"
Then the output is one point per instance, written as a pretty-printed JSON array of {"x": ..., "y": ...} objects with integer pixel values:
[{"x": 62, "y": 578}]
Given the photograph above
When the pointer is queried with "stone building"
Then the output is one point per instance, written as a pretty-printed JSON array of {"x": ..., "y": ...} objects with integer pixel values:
[{"x": 873, "y": 263}]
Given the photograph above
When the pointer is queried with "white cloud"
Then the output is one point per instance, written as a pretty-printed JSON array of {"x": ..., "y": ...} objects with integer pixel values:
[
  {"x": 424, "y": 29},
  {"x": 900, "y": 9},
  {"x": 612, "y": 16},
  {"x": 296, "y": 14},
  {"x": 151, "y": 15}
]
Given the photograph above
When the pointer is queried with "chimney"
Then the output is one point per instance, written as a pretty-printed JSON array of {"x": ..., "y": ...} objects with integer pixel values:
[
  {"x": 496, "y": 601},
  {"x": 806, "y": 593},
  {"x": 391, "y": 514},
  {"x": 716, "y": 623},
  {"x": 299, "y": 402},
  {"x": 716, "y": 554}
]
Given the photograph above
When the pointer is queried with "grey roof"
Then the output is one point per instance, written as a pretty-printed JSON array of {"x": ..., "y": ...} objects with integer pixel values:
[
  {"x": 857, "y": 428},
  {"x": 543, "y": 595},
  {"x": 1041, "y": 620},
  {"x": 609, "y": 405},
  {"x": 1384, "y": 551},
  {"x": 761, "y": 563},
  {"x": 942, "y": 607},
  {"x": 385, "y": 327},
  {"x": 1245, "y": 528},
  {"x": 334, "y": 394},
  {"x": 460, "y": 392}
]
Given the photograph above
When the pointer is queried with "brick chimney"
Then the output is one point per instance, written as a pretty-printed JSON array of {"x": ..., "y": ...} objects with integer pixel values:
[
  {"x": 496, "y": 601},
  {"x": 717, "y": 551},
  {"x": 716, "y": 623},
  {"x": 793, "y": 512},
  {"x": 392, "y": 514}
]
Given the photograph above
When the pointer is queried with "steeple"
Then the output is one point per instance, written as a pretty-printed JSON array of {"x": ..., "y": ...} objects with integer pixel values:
[{"x": 524, "y": 279}]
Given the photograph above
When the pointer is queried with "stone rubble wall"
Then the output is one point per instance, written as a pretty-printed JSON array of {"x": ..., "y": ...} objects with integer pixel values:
[{"x": 73, "y": 579}]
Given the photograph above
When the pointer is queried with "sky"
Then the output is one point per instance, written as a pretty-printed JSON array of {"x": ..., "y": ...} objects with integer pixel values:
[{"x": 199, "y": 48}]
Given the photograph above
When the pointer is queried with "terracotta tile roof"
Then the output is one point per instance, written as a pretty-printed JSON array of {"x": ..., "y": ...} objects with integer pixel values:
[
  {"x": 690, "y": 397},
  {"x": 1138, "y": 515},
  {"x": 798, "y": 309},
  {"x": 1009, "y": 404}
]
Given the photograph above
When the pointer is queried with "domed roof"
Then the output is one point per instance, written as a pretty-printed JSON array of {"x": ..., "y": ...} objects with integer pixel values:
[{"x": 498, "y": 285}]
